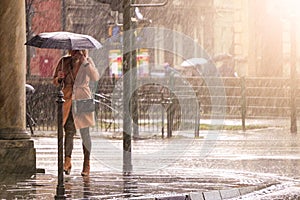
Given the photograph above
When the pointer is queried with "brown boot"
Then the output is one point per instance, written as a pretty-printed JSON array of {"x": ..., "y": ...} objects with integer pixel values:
[
  {"x": 86, "y": 162},
  {"x": 86, "y": 168},
  {"x": 67, "y": 165}
]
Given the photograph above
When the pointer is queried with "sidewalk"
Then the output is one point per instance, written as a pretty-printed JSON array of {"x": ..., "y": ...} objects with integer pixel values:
[{"x": 209, "y": 169}]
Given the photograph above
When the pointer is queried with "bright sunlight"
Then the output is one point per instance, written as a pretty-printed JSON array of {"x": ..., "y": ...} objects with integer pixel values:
[{"x": 286, "y": 8}]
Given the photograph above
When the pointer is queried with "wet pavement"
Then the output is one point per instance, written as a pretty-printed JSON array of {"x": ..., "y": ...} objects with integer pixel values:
[{"x": 265, "y": 162}]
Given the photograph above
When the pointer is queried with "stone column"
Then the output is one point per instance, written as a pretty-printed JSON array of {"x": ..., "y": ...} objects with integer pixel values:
[{"x": 16, "y": 153}]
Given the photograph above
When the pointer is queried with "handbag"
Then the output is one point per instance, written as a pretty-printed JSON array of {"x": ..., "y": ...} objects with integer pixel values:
[{"x": 84, "y": 105}]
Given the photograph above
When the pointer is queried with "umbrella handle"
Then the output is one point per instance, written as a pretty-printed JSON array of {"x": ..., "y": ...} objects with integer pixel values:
[{"x": 62, "y": 64}]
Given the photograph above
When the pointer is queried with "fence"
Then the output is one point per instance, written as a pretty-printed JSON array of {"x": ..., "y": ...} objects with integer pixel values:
[{"x": 159, "y": 103}]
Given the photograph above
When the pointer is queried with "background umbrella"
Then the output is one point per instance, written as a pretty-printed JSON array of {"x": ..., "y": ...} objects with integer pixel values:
[
  {"x": 193, "y": 62},
  {"x": 63, "y": 40},
  {"x": 200, "y": 66}
]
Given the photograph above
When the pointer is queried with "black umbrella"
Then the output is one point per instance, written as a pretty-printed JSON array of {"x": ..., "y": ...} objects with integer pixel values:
[{"x": 64, "y": 40}]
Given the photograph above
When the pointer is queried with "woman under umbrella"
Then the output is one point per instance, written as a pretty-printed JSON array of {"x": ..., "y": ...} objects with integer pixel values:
[{"x": 74, "y": 72}]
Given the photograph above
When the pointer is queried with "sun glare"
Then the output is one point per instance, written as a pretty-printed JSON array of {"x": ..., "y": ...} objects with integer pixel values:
[{"x": 287, "y": 8}]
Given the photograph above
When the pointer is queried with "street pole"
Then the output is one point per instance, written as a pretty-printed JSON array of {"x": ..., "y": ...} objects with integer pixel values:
[
  {"x": 130, "y": 108},
  {"x": 127, "y": 58},
  {"x": 293, "y": 76},
  {"x": 60, "y": 189},
  {"x": 134, "y": 101}
]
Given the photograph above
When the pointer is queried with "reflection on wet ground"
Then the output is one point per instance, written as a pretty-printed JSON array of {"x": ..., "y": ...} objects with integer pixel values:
[
  {"x": 171, "y": 166},
  {"x": 114, "y": 186}
]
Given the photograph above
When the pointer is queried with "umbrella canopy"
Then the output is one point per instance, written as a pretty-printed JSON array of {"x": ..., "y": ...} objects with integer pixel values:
[
  {"x": 193, "y": 62},
  {"x": 64, "y": 40}
]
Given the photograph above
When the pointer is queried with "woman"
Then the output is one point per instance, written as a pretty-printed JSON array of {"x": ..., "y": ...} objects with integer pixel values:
[{"x": 74, "y": 72}]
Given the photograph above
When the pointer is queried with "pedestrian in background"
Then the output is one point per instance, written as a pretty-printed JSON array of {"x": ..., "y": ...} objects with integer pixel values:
[
  {"x": 74, "y": 72},
  {"x": 227, "y": 67}
]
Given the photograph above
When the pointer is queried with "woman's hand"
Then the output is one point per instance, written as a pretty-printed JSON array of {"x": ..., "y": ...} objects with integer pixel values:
[
  {"x": 80, "y": 56},
  {"x": 83, "y": 59}
]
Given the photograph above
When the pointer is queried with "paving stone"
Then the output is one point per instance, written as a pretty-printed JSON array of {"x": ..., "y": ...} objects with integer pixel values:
[
  {"x": 225, "y": 194},
  {"x": 247, "y": 190},
  {"x": 196, "y": 196},
  {"x": 212, "y": 195}
]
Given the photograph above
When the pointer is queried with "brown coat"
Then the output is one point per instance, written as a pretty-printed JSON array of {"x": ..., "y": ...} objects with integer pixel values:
[{"x": 78, "y": 89}]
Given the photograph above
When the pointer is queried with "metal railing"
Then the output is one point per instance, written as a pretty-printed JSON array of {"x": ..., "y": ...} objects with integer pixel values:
[{"x": 246, "y": 98}]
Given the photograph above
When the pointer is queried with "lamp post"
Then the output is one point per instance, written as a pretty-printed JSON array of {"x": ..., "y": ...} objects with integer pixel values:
[
  {"x": 60, "y": 189},
  {"x": 130, "y": 108}
]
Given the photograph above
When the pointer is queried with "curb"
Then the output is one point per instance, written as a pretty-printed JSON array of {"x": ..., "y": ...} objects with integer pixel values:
[{"x": 208, "y": 195}]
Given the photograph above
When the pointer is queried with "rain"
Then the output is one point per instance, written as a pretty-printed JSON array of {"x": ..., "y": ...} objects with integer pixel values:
[{"x": 196, "y": 100}]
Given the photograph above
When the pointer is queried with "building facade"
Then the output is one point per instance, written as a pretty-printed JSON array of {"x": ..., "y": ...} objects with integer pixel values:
[
  {"x": 42, "y": 16},
  {"x": 252, "y": 31}
]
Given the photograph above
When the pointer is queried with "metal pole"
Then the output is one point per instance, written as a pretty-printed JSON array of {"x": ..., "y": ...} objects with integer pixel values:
[
  {"x": 293, "y": 76},
  {"x": 127, "y": 122},
  {"x": 170, "y": 114},
  {"x": 134, "y": 102},
  {"x": 60, "y": 189},
  {"x": 172, "y": 108},
  {"x": 162, "y": 116},
  {"x": 197, "y": 119},
  {"x": 243, "y": 102}
]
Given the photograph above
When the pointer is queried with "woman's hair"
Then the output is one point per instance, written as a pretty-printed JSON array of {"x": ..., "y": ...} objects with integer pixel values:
[{"x": 84, "y": 52}]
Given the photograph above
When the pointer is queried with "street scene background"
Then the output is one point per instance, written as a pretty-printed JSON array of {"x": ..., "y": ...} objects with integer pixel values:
[{"x": 213, "y": 100}]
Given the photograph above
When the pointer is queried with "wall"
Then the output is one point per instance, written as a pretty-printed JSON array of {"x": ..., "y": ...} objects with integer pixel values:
[{"x": 45, "y": 17}]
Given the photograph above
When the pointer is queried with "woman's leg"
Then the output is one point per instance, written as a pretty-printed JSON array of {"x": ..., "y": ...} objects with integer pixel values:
[
  {"x": 70, "y": 131},
  {"x": 86, "y": 141},
  {"x": 87, "y": 146}
]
